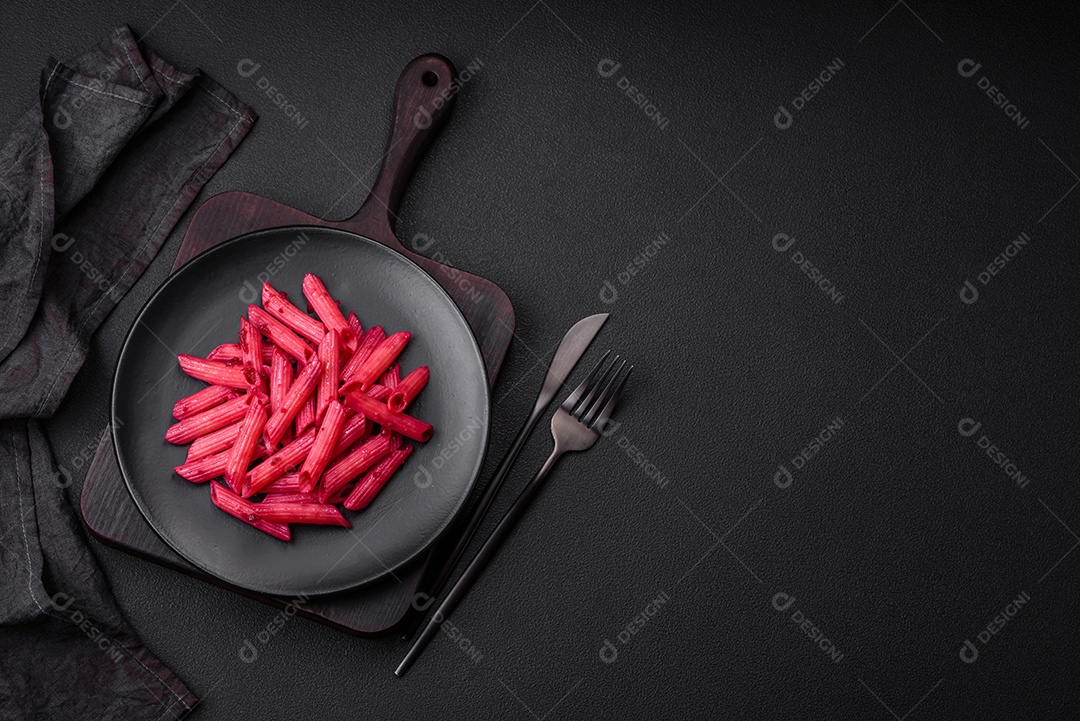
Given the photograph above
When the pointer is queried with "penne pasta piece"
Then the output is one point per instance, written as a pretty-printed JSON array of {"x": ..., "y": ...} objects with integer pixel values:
[
  {"x": 208, "y": 421},
  {"x": 237, "y": 507},
  {"x": 231, "y": 352},
  {"x": 361, "y": 457},
  {"x": 202, "y": 400},
  {"x": 281, "y": 377},
  {"x": 278, "y": 333},
  {"x": 407, "y": 389},
  {"x": 367, "y": 346},
  {"x": 354, "y": 323},
  {"x": 325, "y": 441},
  {"x": 330, "y": 355},
  {"x": 375, "y": 479},
  {"x": 315, "y": 513},
  {"x": 244, "y": 449},
  {"x": 204, "y": 469},
  {"x": 296, "y": 396},
  {"x": 278, "y": 305},
  {"x": 327, "y": 309},
  {"x": 274, "y": 466},
  {"x": 251, "y": 354},
  {"x": 377, "y": 412},
  {"x": 378, "y": 392},
  {"x": 391, "y": 377},
  {"x": 214, "y": 442},
  {"x": 215, "y": 372},
  {"x": 355, "y": 429},
  {"x": 291, "y": 498},
  {"x": 375, "y": 364},
  {"x": 287, "y": 483},
  {"x": 306, "y": 417}
]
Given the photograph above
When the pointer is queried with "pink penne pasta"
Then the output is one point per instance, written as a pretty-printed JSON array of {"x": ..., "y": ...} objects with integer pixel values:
[
  {"x": 251, "y": 354},
  {"x": 391, "y": 377},
  {"x": 208, "y": 421},
  {"x": 231, "y": 352},
  {"x": 215, "y": 372},
  {"x": 354, "y": 323},
  {"x": 297, "y": 394},
  {"x": 407, "y": 389},
  {"x": 237, "y": 507},
  {"x": 291, "y": 498},
  {"x": 361, "y": 457},
  {"x": 281, "y": 377},
  {"x": 278, "y": 333},
  {"x": 214, "y": 442},
  {"x": 325, "y": 441},
  {"x": 225, "y": 352},
  {"x": 244, "y": 448},
  {"x": 371, "y": 341},
  {"x": 202, "y": 400},
  {"x": 278, "y": 305},
  {"x": 204, "y": 469},
  {"x": 277, "y": 464},
  {"x": 330, "y": 355},
  {"x": 315, "y": 513},
  {"x": 305, "y": 418},
  {"x": 356, "y": 427},
  {"x": 375, "y": 479},
  {"x": 375, "y": 364},
  {"x": 377, "y": 412},
  {"x": 327, "y": 309},
  {"x": 286, "y": 483}
]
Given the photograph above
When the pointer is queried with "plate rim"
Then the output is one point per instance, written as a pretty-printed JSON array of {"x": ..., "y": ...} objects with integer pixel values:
[{"x": 385, "y": 570}]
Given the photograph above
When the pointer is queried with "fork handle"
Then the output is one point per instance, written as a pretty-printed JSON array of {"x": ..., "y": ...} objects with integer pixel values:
[{"x": 477, "y": 565}]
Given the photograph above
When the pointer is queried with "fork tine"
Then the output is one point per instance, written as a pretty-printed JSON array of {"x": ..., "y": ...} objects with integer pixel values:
[
  {"x": 594, "y": 391},
  {"x": 609, "y": 408},
  {"x": 603, "y": 396},
  {"x": 573, "y": 398}
]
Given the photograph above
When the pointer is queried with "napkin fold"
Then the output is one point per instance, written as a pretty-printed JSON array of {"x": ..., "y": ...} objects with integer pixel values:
[{"x": 93, "y": 178}]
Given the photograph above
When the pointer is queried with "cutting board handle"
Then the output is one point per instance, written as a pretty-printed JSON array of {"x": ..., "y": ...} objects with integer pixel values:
[{"x": 422, "y": 100}]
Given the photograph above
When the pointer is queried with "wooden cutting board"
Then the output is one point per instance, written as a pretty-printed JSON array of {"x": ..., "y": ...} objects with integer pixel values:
[{"x": 422, "y": 101}]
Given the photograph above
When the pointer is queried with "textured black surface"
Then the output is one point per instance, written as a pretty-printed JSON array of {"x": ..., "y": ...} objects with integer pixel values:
[
  {"x": 194, "y": 312},
  {"x": 899, "y": 180}
]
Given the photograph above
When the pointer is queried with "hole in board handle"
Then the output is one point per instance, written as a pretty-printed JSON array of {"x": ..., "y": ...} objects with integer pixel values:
[{"x": 430, "y": 79}]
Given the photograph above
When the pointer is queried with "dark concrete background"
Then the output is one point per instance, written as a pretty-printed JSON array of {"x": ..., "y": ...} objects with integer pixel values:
[{"x": 899, "y": 540}]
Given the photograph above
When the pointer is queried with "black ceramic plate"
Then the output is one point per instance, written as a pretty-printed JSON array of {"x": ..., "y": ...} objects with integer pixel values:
[{"x": 199, "y": 307}]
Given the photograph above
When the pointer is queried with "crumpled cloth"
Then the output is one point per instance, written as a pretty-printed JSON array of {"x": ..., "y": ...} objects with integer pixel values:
[{"x": 92, "y": 180}]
